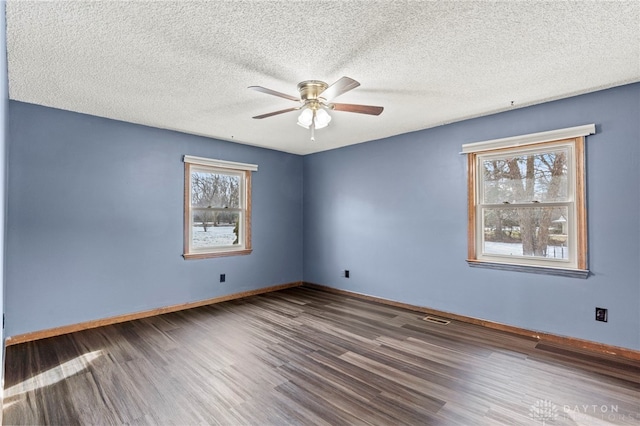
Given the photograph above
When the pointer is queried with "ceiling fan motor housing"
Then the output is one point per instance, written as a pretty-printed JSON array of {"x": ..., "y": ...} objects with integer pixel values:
[{"x": 311, "y": 89}]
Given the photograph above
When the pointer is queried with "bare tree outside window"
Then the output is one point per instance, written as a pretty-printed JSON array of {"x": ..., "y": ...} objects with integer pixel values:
[
  {"x": 533, "y": 179},
  {"x": 211, "y": 192}
]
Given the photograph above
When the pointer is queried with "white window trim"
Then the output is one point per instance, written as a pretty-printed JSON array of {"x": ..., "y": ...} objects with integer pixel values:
[
  {"x": 222, "y": 164},
  {"x": 529, "y": 139}
]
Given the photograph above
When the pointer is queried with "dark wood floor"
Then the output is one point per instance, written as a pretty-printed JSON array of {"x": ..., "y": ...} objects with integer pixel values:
[{"x": 303, "y": 356}]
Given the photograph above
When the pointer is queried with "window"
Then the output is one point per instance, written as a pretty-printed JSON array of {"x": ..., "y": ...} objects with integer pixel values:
[
  {"x": 217, "y": 208},
  {"x": 527, "y": 204}
]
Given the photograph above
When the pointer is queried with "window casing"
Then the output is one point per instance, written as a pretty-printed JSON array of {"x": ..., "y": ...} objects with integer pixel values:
[
  {"x": 217, "y": 208},
  {"x": 527, "y": 205}
]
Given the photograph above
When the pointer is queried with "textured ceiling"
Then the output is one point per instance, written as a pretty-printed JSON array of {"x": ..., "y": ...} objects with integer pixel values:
[{"x": 186, "y": 65}]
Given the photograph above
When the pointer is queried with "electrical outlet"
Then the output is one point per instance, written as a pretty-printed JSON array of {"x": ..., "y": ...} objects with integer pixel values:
[
  {"x": 346, "y": 273},
  {"x": 602, "y": 314},
  {"x": 223, "y": 278}
]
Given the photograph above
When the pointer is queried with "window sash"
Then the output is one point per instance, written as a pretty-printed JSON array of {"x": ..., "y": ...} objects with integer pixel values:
[
  {"x": 541, "y": 185},
  {"x": 504, "y": 154},
  {"x": 570, "y": 261},
  {"x": 220, "y": 247},
  {"x": 217, "y": 171}
]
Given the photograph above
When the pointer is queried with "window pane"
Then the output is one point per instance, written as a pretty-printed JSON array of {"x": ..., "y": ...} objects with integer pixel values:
[
  {"x": 526, "y": 178},
  {"x": 215, "y": 190},
  {"x": 531, "y": 232},
  {"x": 214, "y": 229}
]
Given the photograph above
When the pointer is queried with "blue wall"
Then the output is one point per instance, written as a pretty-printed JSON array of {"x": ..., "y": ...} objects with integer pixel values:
[
  {"x": 393, "y": 212},
  {"x": 95, "y": 219}
]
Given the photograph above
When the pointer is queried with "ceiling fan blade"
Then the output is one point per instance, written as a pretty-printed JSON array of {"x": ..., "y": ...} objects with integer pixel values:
[
  {"x": 274, "y": 93},
  {"x": 360, "y": 109},
  {"x": 282, "y": 111},
  {"x": 341, "y": 86}
]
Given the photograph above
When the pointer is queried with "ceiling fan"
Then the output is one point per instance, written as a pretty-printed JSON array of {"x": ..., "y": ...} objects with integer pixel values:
[{"x": 315, "y": 100}]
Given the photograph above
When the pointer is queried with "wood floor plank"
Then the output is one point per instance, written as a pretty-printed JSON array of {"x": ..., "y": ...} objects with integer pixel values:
[{"x": 302, "y": 356}]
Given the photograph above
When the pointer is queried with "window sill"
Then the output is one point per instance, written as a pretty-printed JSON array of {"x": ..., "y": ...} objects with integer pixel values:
[
  {"x": 563, "y": 272},
  {"x": 189, "y": 256}
]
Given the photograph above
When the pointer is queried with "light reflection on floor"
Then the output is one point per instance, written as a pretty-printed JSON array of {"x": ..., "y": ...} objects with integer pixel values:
[{"x": 53, "y": 375}]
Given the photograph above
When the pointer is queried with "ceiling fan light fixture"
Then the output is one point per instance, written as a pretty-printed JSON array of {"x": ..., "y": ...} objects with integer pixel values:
[
  {"x": 318, "y": 117},
  {"x": 322, "y": 118},
  {"x": 305, "y": 118}
]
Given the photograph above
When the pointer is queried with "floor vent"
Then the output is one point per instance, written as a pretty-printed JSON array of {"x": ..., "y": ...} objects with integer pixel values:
[{"x": 437, "y": 320}]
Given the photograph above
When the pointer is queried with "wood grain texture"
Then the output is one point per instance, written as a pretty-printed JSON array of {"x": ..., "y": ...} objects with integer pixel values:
[
  {"x": 581, "y": 211},
  {"x": 247, "y": 212},
  {"x": 51, "y": 332},
  {"x": 539, "y": 336},
  {"x": 471, "y": 206},
  {"x": 308, "y": 357}
]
